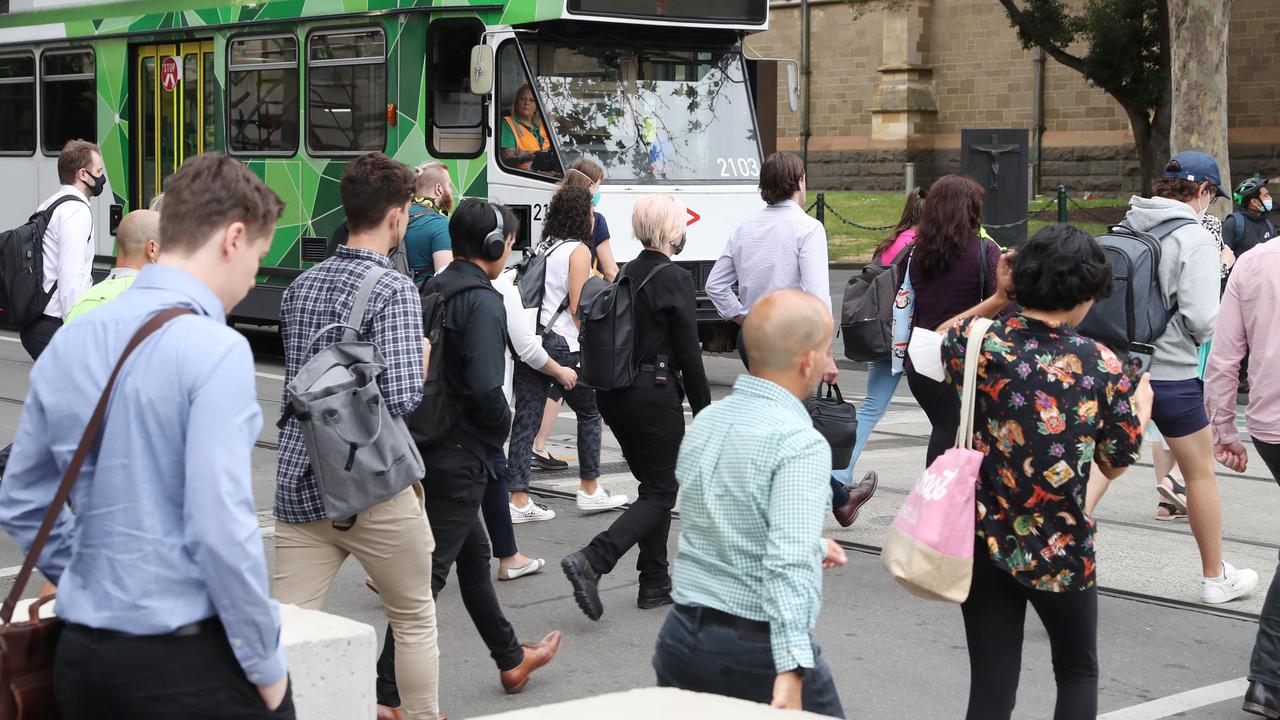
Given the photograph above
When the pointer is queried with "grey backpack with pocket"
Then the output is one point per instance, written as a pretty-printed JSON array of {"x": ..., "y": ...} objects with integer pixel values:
[{"x": 361, "y": 454}]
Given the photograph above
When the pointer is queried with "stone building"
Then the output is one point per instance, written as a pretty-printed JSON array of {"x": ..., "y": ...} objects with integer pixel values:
[{"x": 892, "y": 87}]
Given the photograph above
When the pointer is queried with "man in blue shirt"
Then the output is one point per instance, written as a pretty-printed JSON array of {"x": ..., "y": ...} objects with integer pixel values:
[
  {"x": 426, "y": 240},
  {"x": 160, "y": 569}
]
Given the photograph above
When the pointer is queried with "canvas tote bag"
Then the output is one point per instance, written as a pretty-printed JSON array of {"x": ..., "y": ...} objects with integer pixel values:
[{"x": 929, "y": 550}]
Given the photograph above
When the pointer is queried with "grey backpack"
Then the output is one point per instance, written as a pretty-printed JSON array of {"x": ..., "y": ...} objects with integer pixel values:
[{"x": 360, "y": 454}]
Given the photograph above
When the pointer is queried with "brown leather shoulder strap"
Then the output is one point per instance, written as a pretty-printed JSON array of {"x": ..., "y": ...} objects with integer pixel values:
[{"x": 91, "y": 434}]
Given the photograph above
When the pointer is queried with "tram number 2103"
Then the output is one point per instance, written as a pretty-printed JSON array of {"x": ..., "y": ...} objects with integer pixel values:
[{"x": 739, "y": 167}]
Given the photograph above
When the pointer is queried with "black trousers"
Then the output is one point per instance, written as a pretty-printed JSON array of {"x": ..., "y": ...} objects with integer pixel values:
[
  {"x": 455, "y": 484},
  {"x": 36, "y": 336},
  {"x": 1264, "y": 666},
  {"x": 941, "y": 404},
  {"x": 99, "y": 676},
  {"x": 648, "y": 421},
  {"x": 994, "y": 617}
]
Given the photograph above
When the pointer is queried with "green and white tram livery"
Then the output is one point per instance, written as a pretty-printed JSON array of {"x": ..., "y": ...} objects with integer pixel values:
[{"x": 655, "y": 91}]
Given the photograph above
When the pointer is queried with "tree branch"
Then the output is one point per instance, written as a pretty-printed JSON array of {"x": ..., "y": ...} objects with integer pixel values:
[{"x": 1029, "y": 30}]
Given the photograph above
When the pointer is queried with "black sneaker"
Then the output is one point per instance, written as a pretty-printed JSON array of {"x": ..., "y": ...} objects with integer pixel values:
[
  {"x": 654, "y": 597},
  {"x": 538, "y": 462}
]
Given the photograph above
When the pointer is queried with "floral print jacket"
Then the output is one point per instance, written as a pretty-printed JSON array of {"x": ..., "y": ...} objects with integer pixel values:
[{"x": 1049, "y": 401}]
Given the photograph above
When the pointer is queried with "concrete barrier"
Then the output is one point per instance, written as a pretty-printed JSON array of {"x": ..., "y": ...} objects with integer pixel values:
[
  {"x": 649, "y": 703},
  {"x": 331, "y": 662}
]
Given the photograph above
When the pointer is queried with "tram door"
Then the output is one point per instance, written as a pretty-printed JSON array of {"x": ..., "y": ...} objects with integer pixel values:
[{"x": 174, "y": 111}]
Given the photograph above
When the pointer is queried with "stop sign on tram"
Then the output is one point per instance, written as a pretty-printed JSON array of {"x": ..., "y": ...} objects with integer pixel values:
[{"x": 169, "y": 74}]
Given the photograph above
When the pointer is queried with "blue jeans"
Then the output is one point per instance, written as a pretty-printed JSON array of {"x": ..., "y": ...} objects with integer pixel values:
[
  {"x": 881, "y": 384},
  {"x": 696, "y": 653}
]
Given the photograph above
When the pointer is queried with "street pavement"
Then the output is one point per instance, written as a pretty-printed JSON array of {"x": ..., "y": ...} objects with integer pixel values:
[{"x": 893, "y": 655}]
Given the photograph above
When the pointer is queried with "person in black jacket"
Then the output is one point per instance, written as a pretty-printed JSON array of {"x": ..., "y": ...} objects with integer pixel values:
[
  {"x": 648, "y": 417},
  {"x": 459, "y": 467},
  {"x": 1250, "y": 224}
]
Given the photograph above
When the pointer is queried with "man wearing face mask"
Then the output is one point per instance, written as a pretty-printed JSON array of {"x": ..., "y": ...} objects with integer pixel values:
[
  {"x": 1189, "y": 276},
  {"x": 68, "y": 240},
  {"x": 427, "y": 242},
  {"x": 1249, "y": 225}
]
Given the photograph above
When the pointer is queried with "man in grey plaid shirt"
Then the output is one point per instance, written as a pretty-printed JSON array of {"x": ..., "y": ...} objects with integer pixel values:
[
  {"x": 748, "y": 571},
  {"x": 310, "y": 548}
]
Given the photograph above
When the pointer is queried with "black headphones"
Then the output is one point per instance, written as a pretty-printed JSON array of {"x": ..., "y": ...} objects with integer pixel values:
[{"x": 495, "y": 243}]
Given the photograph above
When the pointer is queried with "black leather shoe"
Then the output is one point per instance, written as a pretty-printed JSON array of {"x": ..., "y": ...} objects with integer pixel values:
[
  {"x": 550, "y": 462},
  {"x": 585, "y": 581},
  {"x": 654, "y": 597},
  {"x": 1262, "y": 699}
]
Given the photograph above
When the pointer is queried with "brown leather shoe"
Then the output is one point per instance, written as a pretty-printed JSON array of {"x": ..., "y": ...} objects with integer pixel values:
[
  {"x": 858, "y": 496},
  {"x": 535, "y": 656}
]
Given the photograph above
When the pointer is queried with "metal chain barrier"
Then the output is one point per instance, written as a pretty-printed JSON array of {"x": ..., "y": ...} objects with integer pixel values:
[{"x": 824, "y": 207}]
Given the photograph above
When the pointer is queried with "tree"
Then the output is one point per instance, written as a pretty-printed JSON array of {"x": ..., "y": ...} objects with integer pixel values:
[
  {"x": 1199, "y": 120},
  {"x": 1127, "y": 52}
]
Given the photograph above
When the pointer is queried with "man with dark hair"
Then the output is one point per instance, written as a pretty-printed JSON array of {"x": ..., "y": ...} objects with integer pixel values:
[
  {"x": 460, "y": 466},
  {"x": 1249, "y": 226},
  {"x": 160, "y": 569},
  {"x": 391, "y": 540},
  {"x": 779, "y": 247},
  {"x": 68, "y": 240},
  {"x": 1189, "y": 275}
]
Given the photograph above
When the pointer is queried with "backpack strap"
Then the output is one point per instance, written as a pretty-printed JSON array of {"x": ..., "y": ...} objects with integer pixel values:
[
  {"x": 1238, "y": 221},
  {"x": 355, "y": 320},
  {"x": 1271, "y": 228},
  {"x": 653, "y": 272},
  {"x": 48, "y": 214},
  {"x": 1166, "y": 228}
]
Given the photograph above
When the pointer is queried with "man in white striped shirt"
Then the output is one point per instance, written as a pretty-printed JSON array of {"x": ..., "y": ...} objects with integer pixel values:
[
  {"x": 68, "y": 240},
  {"x": 778, "y": 247}
]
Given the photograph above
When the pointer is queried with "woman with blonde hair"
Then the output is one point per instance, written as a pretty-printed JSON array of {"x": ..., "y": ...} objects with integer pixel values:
[{"x": 648, "y": 417}]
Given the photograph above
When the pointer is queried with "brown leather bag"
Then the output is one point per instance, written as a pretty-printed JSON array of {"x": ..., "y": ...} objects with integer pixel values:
[{"x": 27, "y": 648}]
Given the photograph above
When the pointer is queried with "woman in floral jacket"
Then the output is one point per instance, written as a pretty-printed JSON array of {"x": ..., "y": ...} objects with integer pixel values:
[{"x": 1050, "y": 404}]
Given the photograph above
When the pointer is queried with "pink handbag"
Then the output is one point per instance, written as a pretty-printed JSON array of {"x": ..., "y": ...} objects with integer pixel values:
[{"x": 929, "y": 550}]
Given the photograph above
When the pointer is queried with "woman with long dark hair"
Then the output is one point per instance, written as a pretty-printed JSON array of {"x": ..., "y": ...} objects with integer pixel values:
[
  {"x": 565, "y": 235},
  {"x": 952, "y": 268}
]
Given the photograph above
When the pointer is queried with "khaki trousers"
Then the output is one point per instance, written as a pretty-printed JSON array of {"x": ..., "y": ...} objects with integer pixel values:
[{"x": 393, "y": 543}]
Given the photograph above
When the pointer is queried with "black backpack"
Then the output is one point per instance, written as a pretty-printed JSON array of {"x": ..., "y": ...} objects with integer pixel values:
[
  {"x": 434, "y": 417},
  {"x": 866, "y": 315},
  {"x": 531, "y": 276},
  {"x": 22, "y": 266},
  {"x": 607, "y": 339},
  {"x": 1135, "y": 310}
]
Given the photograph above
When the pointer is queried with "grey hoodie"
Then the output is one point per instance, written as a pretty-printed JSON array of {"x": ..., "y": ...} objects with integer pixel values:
[{"x": 1189, "y": 276}]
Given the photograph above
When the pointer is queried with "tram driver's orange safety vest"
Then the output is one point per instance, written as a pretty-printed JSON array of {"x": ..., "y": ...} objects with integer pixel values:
[{"x": 527, "y": 141}]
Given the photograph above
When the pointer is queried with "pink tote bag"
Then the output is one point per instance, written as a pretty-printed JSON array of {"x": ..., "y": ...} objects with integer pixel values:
[{"x": 929, "y": 550}]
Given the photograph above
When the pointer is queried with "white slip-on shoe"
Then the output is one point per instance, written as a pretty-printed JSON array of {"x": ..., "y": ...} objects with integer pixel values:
[
  {"x": 533, "y": 512},
  {"x": 1234, "y": 583},
  {"x": 599, "y": 502},
  {"x": 534, "y": 565}
]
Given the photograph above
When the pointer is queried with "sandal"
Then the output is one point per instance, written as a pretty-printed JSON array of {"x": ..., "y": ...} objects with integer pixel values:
[
  {"x": 1166, "y": 511},
  {"x": 1174, "y": 493}
]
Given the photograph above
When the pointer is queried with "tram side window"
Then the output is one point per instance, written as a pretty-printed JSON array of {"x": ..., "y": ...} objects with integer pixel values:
[
  {"x": 17, "y": 104},
  {"x": 262, "y": 95},
  {"x": 456, "y": 115},
  {"x": 70, "y": 108},
  {"x": 346, "y": 92},
  {"x": 524, "y": 142}
]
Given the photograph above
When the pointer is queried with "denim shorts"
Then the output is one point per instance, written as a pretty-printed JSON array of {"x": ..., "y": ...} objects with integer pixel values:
[{"x": 1178, "y": 409}]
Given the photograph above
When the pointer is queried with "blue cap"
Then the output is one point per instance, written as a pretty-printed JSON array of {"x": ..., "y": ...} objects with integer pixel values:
[{"x": 1197, "y": 167}]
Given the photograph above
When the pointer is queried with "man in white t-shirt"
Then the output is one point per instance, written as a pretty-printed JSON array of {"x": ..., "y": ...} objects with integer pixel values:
[{"x": 68, "y": 240}]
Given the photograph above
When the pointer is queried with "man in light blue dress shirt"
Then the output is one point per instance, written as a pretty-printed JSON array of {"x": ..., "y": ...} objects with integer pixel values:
[{"x": 160, "y": 568}]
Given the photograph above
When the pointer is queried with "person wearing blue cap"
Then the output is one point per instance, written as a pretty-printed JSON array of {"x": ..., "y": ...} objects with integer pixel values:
[{"x": 1189, "y": 281}]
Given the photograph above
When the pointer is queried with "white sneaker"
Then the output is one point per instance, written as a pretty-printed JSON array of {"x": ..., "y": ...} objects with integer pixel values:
[
  {"x": 1234, "y": 584},
  {"x": 599, "y": 502},
  {"x": 533, "y": 512}
]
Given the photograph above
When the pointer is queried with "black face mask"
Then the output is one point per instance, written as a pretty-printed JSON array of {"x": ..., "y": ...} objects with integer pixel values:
[
  {"x": 99, "y": 184},
  {"x": 678, "y": 246}
]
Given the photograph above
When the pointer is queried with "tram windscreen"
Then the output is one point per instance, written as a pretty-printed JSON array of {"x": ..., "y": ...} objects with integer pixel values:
[{"x": 650, "y": 116}]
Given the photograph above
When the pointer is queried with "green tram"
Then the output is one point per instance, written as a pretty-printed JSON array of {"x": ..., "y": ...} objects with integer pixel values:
[{"x": 656, "y": 91}]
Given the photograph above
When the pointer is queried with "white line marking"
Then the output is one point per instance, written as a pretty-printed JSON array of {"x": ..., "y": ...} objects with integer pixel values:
[
  {"x": 10, "y": 339},
  {"x": 9, "y": 572},
  {"x": 269, "y": 376},
  {"x": 1183, "y": 701}
]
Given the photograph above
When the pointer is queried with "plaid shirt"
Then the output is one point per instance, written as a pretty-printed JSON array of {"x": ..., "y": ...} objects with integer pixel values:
[
  {"x": 754, "y": 482},
  {"x": 393, "y": 321}
]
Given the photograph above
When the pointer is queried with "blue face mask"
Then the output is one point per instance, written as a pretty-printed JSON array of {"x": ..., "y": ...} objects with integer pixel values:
[
  {"x": 595, "y": 199},
  {"x": 1266, "y": 205}
]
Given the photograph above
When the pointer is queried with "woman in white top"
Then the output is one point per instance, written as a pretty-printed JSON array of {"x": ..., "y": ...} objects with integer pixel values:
[{"x": 565, "y": 235}]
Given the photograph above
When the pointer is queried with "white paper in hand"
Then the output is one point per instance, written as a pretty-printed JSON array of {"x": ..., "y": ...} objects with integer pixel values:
[{"x": 925, "y": 351}]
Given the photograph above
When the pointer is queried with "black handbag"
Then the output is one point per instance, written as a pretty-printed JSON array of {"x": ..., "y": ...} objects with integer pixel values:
[{"x": 837, "y": 420}]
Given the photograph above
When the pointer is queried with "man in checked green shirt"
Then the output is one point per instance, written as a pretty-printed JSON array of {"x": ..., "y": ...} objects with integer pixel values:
[{"x": 748, "y": 570}]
